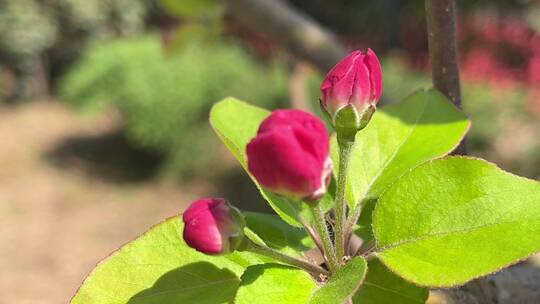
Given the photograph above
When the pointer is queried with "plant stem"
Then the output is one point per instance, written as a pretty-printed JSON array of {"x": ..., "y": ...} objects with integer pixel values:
[
  {"x": 313, "y": 234},
  {"x": 322, "y": 230},
  {"x": 345, "y": 147},
  {"x": 351, "y": 221},
  {"x": 300, "y": 263}
]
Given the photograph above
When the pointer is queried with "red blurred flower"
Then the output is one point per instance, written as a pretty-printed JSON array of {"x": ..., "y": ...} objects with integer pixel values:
[
  {"x": 516, "y": 32},
  {"x": 479, "y": 64},
  {"x": 533, "y": 70},
  {"x": 289, "y": 155}
]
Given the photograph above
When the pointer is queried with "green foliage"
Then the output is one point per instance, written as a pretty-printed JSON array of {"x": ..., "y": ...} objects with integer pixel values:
[
  {"x": 277, "y": 234},
  {"x": 98, "y": 18},
  {"x": 165, "y": 99},
  {"x": 202, "y": 22},
  {"x": 24, "y": 30},
  {"x": 190, "y": 8},
  {"x": 343, "y": 284},
  {"x": 455, "y": 219},
  {"x": 30, "y": 27},
  {"x": 274, "y": 283}
]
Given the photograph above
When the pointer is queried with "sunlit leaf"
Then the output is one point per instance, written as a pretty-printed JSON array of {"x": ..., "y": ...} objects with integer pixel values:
[
  {"x": 343, "y": 283},
  {"x": 454, "y": 219},
  {"x": 159, "y": 267},
  {"x": 274, "y": 283},
  {"x": 400, "y": 137}
]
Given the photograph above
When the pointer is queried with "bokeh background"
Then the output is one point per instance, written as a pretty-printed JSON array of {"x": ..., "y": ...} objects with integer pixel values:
[{"x": 104, "y": 107}]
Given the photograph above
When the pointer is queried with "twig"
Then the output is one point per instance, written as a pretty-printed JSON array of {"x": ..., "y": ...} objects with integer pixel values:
[
  {"x": 300, "y": 263},
  {"x": 314, "y": 236}
]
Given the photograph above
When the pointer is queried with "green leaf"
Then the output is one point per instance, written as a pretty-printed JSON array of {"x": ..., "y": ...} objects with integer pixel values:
[
  {"x": 400, "y": 137},
  {"x": 274, "y": 283},
  {"x": 454, "y": 219},
  {"x": 159, "y": 267},
  {"x": 365, "y": 231},
  {"x": 343, "y": 284},
  {"x": 190, "y": 8},
  {"x": 277, "y": 234},
  {"x": 381, "y": 286},
  {"x": 191, "y": 33},
  {"x": 236, "y": 123}
]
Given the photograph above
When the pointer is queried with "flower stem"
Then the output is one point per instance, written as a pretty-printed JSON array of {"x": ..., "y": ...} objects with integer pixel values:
[
  {"x": 345, "y": 148},
  {"x": 322, "y": 230},
  {"x": 313, "y": 234},
  {"x": 300, "y": 263},
  {"x": 354, "y": 216}
]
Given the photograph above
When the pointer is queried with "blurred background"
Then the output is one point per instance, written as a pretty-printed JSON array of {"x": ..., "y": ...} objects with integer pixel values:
[{"x": 104, "y": 107}]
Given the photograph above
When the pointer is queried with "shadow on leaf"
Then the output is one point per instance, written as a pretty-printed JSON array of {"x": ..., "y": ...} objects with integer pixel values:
[
  {"x": 201, "y": 283},
  {"x": 255, "y": 271}
]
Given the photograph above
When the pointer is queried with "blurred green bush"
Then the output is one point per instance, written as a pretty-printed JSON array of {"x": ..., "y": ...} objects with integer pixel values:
[
  {"x": 36, "y": 35},
  {"x": 165, "y": 100},
  {"x": 24, "y": 30}
]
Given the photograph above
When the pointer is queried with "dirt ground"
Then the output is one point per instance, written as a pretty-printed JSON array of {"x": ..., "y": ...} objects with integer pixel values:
[{"x": 59, "y": 218}]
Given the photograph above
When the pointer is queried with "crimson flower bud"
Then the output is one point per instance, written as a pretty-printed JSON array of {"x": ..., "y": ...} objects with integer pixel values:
[
  {"x": 289, "y": 155},
  {"x": 354, "y": 83},
  {"x": 213, "y": 226}
]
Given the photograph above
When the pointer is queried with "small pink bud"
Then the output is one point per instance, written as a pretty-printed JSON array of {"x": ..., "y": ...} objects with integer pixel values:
[
  {"x": 289, "y": 155},
  {"x": 213, "y": 226},
  {"x": 356, "y": 80}
]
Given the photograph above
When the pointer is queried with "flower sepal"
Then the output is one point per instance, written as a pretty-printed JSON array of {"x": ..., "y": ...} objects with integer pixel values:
[{"x": 348, "y": 121}]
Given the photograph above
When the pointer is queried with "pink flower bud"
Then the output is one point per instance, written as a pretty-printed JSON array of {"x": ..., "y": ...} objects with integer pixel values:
[
  {"x": 213, "y": 226},
  {"x": 289, "y": 155},
  {"x": 355, "y": 80}
]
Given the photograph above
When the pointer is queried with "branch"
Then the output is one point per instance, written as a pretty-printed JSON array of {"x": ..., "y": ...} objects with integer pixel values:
[
  {"x": 443, "y": 51},
  {"x": 442, "y": 39},
  {"x": 298, "y": 33}
]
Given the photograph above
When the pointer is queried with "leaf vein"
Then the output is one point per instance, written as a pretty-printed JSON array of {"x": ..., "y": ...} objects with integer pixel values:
[{"x": 447, "y": 233}]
